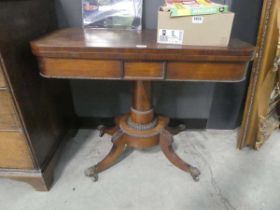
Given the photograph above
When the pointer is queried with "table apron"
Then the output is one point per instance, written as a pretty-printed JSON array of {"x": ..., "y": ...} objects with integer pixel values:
[{"x": 221, "y": 71}]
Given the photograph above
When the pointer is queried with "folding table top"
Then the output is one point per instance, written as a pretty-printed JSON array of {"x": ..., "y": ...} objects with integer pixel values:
[{"x": 121, "y": 54}]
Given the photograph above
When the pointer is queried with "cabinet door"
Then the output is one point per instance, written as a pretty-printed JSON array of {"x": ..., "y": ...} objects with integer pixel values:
[{"x": 260, "y": 118}]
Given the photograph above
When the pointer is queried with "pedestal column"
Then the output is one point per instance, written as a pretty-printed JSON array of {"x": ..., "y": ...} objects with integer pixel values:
[
  {"x": 141, "y": 129},
  {"x": 142, "y": 109}
]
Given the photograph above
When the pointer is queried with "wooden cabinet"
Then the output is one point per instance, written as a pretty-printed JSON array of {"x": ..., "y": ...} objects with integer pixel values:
[
  {"x": 35, "y": 114},
  {"x": 14, "y": 150}
]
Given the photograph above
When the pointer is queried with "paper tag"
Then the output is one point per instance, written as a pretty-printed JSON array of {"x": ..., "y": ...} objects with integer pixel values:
[
  {"x": 169, "y": 36},
  {"x": 141, "y": 46},
  {"x": 197, "y": 19}
]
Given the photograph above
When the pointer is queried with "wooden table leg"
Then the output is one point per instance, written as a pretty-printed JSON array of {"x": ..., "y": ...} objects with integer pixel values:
[
  {"x": 117, "y": 150},
  {"x": 166, "y": 141}
]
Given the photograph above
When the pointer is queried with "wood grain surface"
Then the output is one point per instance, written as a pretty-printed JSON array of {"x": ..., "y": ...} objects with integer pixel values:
[
  {"x": 8, "y": 117},
  {"x": 14, "y": 151},
  {"x": 216, "y": 71},
  {"x": 2, "y": 79},
  {"x": 145, "y": 70},
  {"x": 121, "y": 44},
  {"x": 98, "y": 69}
]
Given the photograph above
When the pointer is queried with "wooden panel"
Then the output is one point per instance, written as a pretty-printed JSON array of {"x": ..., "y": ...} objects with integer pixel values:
[
  {"x": 144, "y": 70},
  {"x": 14, "y": 151},
  {"x": 2, "y": 80},
  {"x": 206, "y": 71},
  {"x": 81, "y": 68},
  {"x": 8, "y": 116}
]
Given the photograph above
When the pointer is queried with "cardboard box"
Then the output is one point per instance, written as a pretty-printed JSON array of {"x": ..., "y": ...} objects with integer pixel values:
[{"x": 206, "y": 30}]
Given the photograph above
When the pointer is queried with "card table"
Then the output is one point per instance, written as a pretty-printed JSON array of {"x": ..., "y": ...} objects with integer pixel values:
[{"x": 100, "y": 54}]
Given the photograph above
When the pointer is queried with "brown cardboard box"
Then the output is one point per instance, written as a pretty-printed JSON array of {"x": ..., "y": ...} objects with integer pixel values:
[{"x": 206, "y": 30}]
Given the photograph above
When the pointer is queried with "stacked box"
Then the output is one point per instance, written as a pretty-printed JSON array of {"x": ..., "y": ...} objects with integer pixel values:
[
  {"x": 194, "y": 7},
  {"x": 205, "y": 30}
]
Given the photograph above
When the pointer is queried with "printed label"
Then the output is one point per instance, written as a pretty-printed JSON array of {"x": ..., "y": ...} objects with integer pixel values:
[
  {"x": 197, "y": 19},
  {"x": 169, "y": 36},
  {"x": 141, "y": 46}
]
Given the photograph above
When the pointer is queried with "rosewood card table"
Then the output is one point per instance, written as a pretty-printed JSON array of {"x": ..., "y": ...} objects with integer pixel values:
[{"x": 76, "y": 53}]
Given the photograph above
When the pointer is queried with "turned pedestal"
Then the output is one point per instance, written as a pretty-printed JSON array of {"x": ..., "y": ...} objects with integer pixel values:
[{"x": 141, "y": 129}]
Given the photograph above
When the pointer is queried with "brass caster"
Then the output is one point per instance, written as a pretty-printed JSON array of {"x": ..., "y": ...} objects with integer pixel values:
[
  {"x": 177, "y": 129},
  {"x": 195, "y": 173},
  {"x": 91, "y": 172},
  {"x": 101, "y": 129},
  {"x": 182, "y": 127}
]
